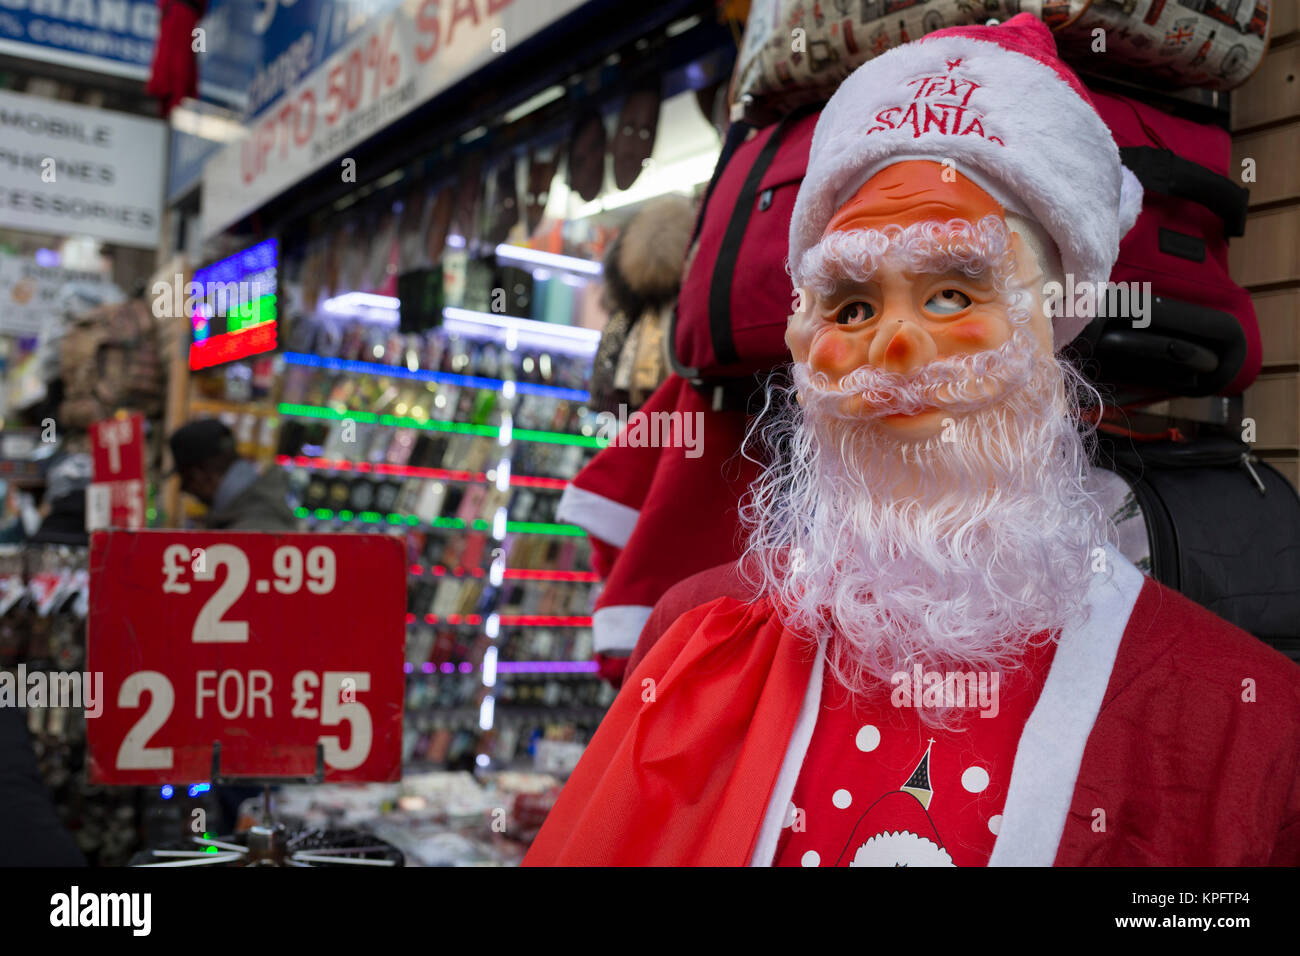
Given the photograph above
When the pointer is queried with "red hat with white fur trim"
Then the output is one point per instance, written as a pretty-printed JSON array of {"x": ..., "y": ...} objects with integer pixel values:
[{"x": 999, "y": 102}]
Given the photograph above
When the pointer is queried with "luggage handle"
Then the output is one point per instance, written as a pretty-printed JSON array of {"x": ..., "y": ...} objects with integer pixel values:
[{"x": 1165, "y": 172}]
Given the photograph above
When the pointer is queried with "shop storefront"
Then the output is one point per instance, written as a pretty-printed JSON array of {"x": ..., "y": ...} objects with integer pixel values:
[{"x": 466, "y": 434}]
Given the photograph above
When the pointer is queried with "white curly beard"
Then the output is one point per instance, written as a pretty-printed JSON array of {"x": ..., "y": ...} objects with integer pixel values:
[{"x": 946, "y": 553}]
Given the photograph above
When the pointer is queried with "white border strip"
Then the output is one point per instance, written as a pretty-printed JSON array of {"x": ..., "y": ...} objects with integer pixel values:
[
  {"x": 601, "y": 517},
  {"x": 1051, "y": 747},
  {"x": 618, "y": 627},
  {"x": 774, "y": 821},
  {"x": 80, "y": 61}
]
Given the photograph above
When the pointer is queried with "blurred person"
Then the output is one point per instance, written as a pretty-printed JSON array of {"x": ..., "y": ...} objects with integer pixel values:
[{"x": 239, "y": 495}]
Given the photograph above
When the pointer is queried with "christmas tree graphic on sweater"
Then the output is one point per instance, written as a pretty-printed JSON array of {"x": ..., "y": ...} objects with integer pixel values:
[{"x": 897, "y": 829}]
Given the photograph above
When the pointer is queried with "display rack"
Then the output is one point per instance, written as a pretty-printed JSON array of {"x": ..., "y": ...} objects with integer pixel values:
[{"x": 499, "y": 601}]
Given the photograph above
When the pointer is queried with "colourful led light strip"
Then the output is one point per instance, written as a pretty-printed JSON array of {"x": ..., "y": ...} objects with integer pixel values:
[
  {"x": 523, "y": 574},
  {"x": 511, "y": 667},
  {"x": 410, "y": 471},
  {"x": 230, "y": 346},
  {"x": 454, "y": 619},
  {"x": 439, "y": 570},
  {"x": 374, "y": 517},
  {"x": 506, "y": 620},
  {"x": 547, "y": 667},
  {"x": 459, "y": 428},
  {"x": 543, "y": 620},
  {"x": 516, "y": 574},
  {"x": 441, "y": 378}
]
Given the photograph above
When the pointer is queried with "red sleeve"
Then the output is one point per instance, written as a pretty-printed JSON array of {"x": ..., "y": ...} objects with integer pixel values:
[{"x": 724, "y": 580}]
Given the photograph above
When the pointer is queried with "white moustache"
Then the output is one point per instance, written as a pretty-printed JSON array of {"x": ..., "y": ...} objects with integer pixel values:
[{"x": 962, "y": 384}]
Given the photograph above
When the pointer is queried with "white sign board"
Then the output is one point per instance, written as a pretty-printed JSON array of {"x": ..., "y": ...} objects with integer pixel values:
[
  {"x": 29, "y": 293},
  {"x": 405, "y": 58},
  {"x": 75, "y": 171}
]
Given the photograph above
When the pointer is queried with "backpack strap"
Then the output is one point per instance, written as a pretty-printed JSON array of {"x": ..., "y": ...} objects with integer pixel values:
[
  {"x": 1164, "y": 171},
  {"x": 724, "y": 345},
  {"x": 736, "y": 135}
]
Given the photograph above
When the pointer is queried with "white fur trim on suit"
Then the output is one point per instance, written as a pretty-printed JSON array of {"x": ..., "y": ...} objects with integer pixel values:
[
  {"x": 599, "y": 516},
  {"x": 615, "y": 629},
  {"x": 1051, "y": 747},
  {"x": 1011, "y": 119},
  {"x": 775, "y": 819}
]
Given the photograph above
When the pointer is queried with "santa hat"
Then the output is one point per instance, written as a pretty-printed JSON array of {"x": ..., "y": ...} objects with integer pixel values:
[{"x": 999, "y": 102}]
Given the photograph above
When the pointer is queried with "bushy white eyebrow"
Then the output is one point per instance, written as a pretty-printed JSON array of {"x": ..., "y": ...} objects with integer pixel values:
[{"x": 855, "y": 256}]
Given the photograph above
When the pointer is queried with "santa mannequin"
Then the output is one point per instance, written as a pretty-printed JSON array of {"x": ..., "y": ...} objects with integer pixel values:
[{"x": 930, "y": 655}]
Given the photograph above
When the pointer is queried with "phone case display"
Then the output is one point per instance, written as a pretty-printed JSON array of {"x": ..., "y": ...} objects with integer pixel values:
[
  {"x": 43, "y": 606},
  {"x": 463, "y": 446}
]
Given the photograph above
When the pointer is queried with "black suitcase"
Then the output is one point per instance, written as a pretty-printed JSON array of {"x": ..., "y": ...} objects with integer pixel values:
[{"x": 1222, "y": 528}]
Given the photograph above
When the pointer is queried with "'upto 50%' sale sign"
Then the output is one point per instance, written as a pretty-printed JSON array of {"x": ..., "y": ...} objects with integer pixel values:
[{"x": 265, "y": 643}]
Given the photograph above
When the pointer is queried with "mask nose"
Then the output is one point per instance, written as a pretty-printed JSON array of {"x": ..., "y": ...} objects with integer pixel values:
[{"x": 903, "y": 347}]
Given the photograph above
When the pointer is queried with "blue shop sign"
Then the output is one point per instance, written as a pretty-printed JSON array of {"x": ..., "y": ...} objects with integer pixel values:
[{"x": 102, "y": 36}]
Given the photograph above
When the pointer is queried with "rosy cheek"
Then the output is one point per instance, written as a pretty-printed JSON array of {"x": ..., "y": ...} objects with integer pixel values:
[
  {"x": 977, "y": 332},
  {"x": 830, "y": 352}
]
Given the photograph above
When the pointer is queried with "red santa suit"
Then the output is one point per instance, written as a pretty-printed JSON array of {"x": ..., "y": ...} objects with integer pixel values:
[
  {"x": 1162, "y": 735},
  {"x": 640, "y": 503}
]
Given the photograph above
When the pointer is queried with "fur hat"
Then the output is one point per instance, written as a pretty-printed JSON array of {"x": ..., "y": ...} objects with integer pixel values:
[{"x": 644, "y": 268}]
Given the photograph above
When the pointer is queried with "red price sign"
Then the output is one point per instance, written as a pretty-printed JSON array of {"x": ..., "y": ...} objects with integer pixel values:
[
  {"x": 116, "y": 496},
  {"x": 266, "y": 643},
  {"x": 117, "y": 449}
]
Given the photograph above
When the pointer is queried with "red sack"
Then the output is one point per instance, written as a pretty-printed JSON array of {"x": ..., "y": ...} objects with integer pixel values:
[
  {"x": 1203, "y": 338},
  {"x": 736, "y": 295}
]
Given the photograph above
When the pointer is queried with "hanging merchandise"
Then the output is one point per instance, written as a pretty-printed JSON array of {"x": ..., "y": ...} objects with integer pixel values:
[
  {"x": 333, "y": 260},
  {"x": 175, "y": 74},
  {"x": 356, "y": 239},
  {"x": 1167, "y": 43},
  {"x": 439, "y": 221},
  {"x": 775, "y": 75},
  {"x": 465, "y": 201},
  {"x": 586, "y": 157},
  {"x": 111, "y": 359},
  {"x": 658, "y": 512},
  {"x": 504, "y": 205},
  {"x": 381, "y": 251},
  {"x": 643, "y": 272},
  {"x": 313, "y": 274},
  {"x": 411, "y": 225},
  {"x": 712, "y": 101},
  {"x": 542, "y": 164},
  {"x": 634, "y": 138}
]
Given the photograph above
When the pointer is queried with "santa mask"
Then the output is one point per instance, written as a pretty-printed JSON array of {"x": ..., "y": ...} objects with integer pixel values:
[{"x": 926, "y": 504}]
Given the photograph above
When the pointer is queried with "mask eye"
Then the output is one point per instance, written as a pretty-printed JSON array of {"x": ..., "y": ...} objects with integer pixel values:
[
  {"x": 854, "y": 313},
  {"x": 947, "y": 302}
]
